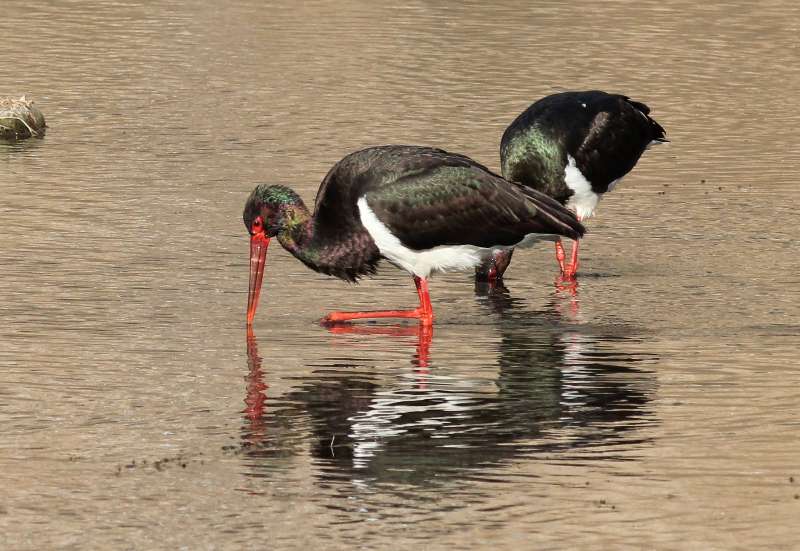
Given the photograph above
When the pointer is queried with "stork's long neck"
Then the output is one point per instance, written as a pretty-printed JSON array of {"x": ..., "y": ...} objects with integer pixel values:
[
  {"x": 298, "y": 235},
  {"x": 343, "y": 253}
]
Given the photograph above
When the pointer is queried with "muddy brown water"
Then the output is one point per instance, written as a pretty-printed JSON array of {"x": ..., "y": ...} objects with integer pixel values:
[{"x": 654, "y": 409}]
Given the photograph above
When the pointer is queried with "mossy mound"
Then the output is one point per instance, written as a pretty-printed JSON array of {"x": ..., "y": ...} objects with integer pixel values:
[{"x": 20, "y": 119}]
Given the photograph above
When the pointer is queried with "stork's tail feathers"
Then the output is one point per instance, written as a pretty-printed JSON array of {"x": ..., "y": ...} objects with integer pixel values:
[{"x": 567, "y": 224}]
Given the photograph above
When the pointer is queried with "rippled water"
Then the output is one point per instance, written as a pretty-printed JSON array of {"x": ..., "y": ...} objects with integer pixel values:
[{"x": 654, "y": 408}]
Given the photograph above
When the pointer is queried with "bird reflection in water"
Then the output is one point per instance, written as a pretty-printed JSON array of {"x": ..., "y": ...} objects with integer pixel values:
[
  {"x": 423, "y": 334},
  {"x": 559, "y": 386},
  {"x": 263, "y": 435}
]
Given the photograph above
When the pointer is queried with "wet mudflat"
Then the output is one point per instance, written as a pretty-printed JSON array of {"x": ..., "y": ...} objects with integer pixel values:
[{"x": 654, "y": 407}]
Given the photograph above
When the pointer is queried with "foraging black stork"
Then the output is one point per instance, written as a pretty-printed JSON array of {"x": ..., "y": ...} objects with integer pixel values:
[
  {"x": 422, "y": 209},
  {"x": 573, "y": 146}
]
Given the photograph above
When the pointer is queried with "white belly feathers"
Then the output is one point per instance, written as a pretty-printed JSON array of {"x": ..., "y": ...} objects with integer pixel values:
[
  {"x": 584, "y": 200},
  {"x": 420, "y": 263}
]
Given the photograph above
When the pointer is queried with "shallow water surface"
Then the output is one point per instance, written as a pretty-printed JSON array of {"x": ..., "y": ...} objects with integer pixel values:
[{"x": 652, "y": 406}]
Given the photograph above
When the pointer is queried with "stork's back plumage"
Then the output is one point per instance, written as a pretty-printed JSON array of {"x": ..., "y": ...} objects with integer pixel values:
[{"x": 605, "y": 134}]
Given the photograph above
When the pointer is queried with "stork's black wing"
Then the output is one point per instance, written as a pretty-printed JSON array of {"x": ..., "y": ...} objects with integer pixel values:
[{"x": 451, "y": 200}]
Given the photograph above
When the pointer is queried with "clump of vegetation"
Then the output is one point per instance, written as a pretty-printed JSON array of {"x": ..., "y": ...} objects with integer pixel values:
[{"x": 20, "y": 119}]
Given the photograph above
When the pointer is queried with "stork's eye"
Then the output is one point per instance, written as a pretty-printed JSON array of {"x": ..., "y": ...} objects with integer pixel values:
[{"x": 258, "y": 225}]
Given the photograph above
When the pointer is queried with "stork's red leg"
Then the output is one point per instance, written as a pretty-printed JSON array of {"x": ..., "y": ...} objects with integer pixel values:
[
  {"x": 424, "y": 312},
  {"x": 560, "y": 255},
  {"x": 500, "y": 261},
  {"x": 572, "y": 268},
  {"x": 424, "y": 300},
  {"x": 493, "y": 268},
  {"x": 568, "y": 271}
]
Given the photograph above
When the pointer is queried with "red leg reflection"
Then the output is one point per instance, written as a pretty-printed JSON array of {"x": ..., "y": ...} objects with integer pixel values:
[
  {"x": 560, "y": 256},
  {"x": 567, "y": 291},
  {"x": 424, "y": 334},
  {"x": 424, "y": 312},
  {"x": 567, "y": 285},
  {"x": 256, "y": 398}
]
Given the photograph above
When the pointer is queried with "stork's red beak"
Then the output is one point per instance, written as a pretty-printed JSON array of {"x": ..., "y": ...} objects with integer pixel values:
[{"x": 258, "y": 257}]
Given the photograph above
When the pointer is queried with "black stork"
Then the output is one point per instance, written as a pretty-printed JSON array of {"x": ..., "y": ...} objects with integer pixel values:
[
  {"x": 574, "y": 147},
  {"x": 423, "y": 209}
]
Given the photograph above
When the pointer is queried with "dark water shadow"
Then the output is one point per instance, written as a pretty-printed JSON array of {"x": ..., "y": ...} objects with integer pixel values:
[{"x": 559, "y": 389}]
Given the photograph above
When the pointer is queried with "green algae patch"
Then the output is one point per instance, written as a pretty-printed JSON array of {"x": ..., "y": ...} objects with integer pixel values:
[{"x": 20, "y": 119}]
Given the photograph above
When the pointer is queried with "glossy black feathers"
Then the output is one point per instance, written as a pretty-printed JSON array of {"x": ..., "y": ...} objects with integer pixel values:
[
  {"x": 605, "y": 134},
  {"x": 428, "y": 197}
]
